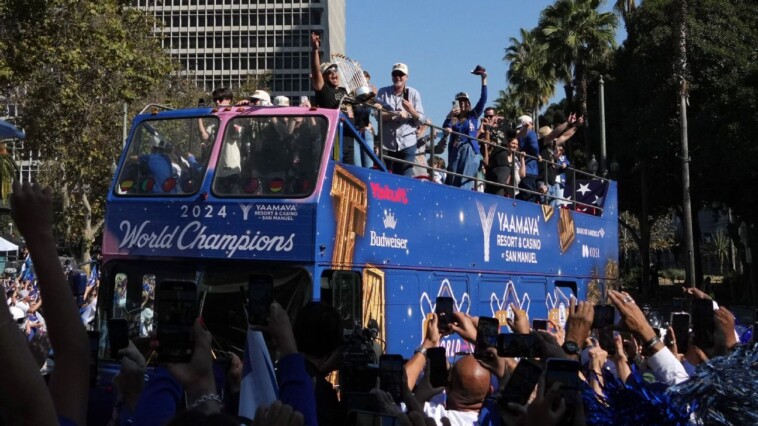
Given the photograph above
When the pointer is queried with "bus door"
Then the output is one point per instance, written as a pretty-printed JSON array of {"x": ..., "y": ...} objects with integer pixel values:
[{"x": 457, "y": 286}]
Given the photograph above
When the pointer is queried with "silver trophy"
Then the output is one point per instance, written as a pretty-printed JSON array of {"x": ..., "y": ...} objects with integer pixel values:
[{"x": 352, "y": 78}]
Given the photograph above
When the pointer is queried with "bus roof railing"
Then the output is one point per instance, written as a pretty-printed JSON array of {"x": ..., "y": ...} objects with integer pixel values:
[{"x": 432, "y": 145}]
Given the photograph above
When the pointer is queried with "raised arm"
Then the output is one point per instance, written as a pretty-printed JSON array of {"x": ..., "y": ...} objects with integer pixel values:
[
  {"x": 479, "y": 108},
  {"x": 31, "y": 209},
  {"x": 316, "y": 77},
  {"x": 415, "y": 365}
]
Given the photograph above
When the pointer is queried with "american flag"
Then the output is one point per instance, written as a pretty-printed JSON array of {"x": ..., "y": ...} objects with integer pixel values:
[{"x": 590, "y": 193}]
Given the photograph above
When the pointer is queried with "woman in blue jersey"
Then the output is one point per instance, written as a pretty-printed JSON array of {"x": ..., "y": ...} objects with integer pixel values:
[{"x": 463, "y": 151}]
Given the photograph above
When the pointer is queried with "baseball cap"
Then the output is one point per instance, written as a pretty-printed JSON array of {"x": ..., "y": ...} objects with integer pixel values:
[
  {"x": 281, "y": 101},
  {"x": 326, "y": 66},
  {"x": 461, "y": 95},
  {"x": 400, "y": 67},
  {"x": 262, "y": 96},
  {"x": 524, "y": 120}
]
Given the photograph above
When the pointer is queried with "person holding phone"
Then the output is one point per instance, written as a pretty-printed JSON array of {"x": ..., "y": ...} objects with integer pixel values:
[
  {"x": 462, "y": 124},
  {"x": 467, "y": 387},
  {"x": 660, "y": 359},
  {"x": 402, "y": 116}
]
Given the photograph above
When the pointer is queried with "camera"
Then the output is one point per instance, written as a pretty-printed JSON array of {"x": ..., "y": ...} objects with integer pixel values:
[{"x": 359, "y": 367}]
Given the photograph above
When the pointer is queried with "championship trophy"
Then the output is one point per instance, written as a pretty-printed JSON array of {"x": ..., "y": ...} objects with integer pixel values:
[{"x": 352, "y": 78}]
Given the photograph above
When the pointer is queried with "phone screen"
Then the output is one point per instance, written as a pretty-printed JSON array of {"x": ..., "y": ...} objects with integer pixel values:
[
  {"x": 391, "y": 375},
  {"x": 437, "y": 366},
  {"x": 604, "y": 316},
  {"x": 520, "y": 386},
  {"x": 539, "y": 324},
  {"x": 405, "y": 94},
  {"x": 260, "y": 297},
  {"x": 605, "y": 339},
  {"x": 444, "y": 310},
  {"x": 680, "y": 322},
  {"x": 176, "y": 310},
  {"x": 567, "y": 373},
  {"x": 702, "y": 323},
  {"x": 118, "y": 335},
  {"x": 486, "y": 336},
  {"x": 514, "y": 345}
]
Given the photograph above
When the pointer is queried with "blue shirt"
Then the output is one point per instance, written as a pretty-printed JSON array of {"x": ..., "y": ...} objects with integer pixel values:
[
  {"x": 529, "y": 145},
  {"x": 399, "y": 133},
  {"x": 469, "y": 126}
]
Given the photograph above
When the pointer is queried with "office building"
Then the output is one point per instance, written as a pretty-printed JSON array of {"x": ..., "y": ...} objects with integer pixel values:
[{"x": 223, "y": 42}]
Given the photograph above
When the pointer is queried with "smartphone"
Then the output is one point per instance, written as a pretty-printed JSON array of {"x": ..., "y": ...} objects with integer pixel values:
[
  {"x": 680, "y": 322},
  {"x": 521, "y": 384},
  {"x": 176, "y": 310},
  {"x": 456, "y": 104},
  {"x": 260, "y": 291},
  {"x": 405, "y": 94},
  {"x": 118, "y": 336},
  {"x": 539, "y": 324},
  {"x": 369, "y": 418},
  {"x": 486, "y": 336},
  {"x": 437, "y": 366},
  {"x": 605, "y": 339},
  {"x": 604, "y": 316},
  {"x": 702, "y": 323},
  {"x": 567, "y": 373},
  {"x": 444, "y": 310},
  {"x": 514, "y": 345},
  {"x": 391, "y": 375},
  {"x": 677, "y": 304}
]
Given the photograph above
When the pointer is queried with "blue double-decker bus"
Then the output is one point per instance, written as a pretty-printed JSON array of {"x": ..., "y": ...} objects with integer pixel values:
[{"x": 216, "y": 196}]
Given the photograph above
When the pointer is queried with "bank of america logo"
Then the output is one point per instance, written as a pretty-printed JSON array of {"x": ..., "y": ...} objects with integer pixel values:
[{"x": 389, "y": 220}]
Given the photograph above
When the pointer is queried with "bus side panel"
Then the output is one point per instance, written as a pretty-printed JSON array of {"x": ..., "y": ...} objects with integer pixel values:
[{"x": 405, "y": 318}]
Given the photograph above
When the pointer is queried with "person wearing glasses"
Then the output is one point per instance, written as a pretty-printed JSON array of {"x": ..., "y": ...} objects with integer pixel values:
[
  {"x": 462, "y": 124},
  {"x": 403, "y": 116}
]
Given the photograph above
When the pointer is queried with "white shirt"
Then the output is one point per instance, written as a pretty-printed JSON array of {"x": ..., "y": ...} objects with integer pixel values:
[
  {"x": 23, "y": 306},
  {"x": 457, "y": 418},
  {"x": 667, "y": 368}
]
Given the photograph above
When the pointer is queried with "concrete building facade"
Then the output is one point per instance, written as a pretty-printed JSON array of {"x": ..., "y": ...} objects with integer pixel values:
[{"x": 224, "y": 42}]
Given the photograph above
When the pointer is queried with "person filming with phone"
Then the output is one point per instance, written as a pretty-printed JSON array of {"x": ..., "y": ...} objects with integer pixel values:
[{"x": 467, "y": 387}]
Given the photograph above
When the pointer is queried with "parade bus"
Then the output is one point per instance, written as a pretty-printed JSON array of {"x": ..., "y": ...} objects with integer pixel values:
[{"x": 261, "y": 192}]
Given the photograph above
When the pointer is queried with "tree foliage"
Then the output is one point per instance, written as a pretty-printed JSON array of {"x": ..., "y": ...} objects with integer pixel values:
[{"x": 77, "y": 62}]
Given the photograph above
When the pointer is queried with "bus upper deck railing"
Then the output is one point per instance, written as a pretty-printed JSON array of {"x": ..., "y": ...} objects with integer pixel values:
[{"x": 432, "y": 146}]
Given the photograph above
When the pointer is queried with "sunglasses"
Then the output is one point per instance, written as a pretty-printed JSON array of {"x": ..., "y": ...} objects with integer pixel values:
[
  {"x": 398, "y": 74},
  {"x": 489, "y": 116}
]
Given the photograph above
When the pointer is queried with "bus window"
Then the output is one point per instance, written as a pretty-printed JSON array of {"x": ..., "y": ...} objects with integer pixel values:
[
  {"x": 568, "y": 285},
  {"x": 270, "y": 156},
  {"x": 119, "y": 296},
  {"x": 147, "y": 306},
  {"x": 166, "y": 157},
  {"x": 343, "y": 291}
]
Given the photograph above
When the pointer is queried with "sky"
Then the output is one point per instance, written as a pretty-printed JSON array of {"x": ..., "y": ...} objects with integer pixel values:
[{"x": 441, "y": 41}]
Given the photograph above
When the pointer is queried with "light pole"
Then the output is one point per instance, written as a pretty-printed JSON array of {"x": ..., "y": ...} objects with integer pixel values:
[{"x": 603, "y": 170}]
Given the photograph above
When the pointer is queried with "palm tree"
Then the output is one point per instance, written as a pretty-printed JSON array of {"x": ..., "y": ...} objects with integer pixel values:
[
  {"x": 531, "y": 79},
  {"x": 578, "y": 37},
  {"x": 507, "y": 106},
  {"x": 625, "y": 9}
]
